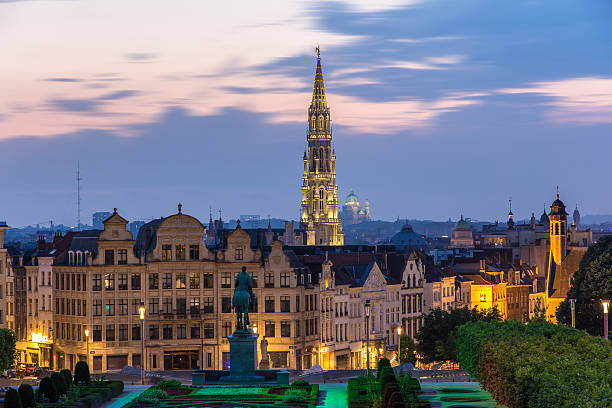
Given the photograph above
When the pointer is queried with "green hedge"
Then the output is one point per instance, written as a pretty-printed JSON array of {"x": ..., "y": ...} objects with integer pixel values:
[
  {"x": 538, "y": 364},
  {"x": 358, "y": 393}
]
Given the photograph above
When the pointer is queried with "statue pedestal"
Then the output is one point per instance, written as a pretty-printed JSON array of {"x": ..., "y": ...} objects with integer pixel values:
[{"x": 243, "y": 358}]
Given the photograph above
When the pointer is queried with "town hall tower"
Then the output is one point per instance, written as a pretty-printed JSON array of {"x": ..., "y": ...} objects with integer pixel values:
[{"x": 319, "y": 189}]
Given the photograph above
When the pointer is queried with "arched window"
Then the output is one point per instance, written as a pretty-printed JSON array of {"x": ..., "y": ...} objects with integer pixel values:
[
  {"x": 413, "y": 281},
  {"x": 320, "y": 122},
  {"x": 313, "y": 123},
  {"x": 322, "y": 160},
  {"x": 556, "y": 229},
  {"x": 321, "y": 199},
  {"x": 562, "y": 229}
]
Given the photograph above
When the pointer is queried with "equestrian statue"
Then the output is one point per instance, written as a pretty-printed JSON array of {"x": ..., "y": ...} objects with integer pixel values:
[{"x": 243, "y": 297}]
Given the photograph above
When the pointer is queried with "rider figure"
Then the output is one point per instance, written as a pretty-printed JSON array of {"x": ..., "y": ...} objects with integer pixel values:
[{"x": 243, "y": 296}]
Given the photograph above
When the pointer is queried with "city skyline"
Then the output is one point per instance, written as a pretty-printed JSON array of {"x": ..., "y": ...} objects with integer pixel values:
[{"x": 452, "y": 114}]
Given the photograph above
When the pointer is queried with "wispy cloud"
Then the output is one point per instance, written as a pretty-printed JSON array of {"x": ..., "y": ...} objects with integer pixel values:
[
  {"x": 426, "y": 39},
  {"x": 141, "y": 57},
  {"x": 582, "y": 100}
]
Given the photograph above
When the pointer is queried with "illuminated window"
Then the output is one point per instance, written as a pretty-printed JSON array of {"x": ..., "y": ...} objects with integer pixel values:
[
  {"x": 239, "y": 254},
  {"x": 180, "y": 252},
  {"x": 166, "y": 252},
  {"x": 483, "y": 297}
]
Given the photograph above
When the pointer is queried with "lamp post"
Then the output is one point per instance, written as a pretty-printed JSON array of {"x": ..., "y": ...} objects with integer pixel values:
[
  {"x": 141, "y": 313},
  {"x": 573, "y": 309},
  {"x": 367, "y": 327},
  {"x": 87, "y": 340},
  {"x": 399, "y": 344},
  {"x": 606, "y": 305}
]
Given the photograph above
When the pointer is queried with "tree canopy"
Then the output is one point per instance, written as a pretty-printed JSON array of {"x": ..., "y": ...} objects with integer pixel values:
[
  {"x": 8, "y": 349},
  {"x": 407, "y": 350},
  {"x": 591, "y": 283},
  {"x": 437, "y": 337}
]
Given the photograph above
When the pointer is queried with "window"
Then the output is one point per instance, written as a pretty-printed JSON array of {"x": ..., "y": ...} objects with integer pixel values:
[
  {"x": 194, "y": 251},
  {"x": 194, "y": 280},
  {"x": 181, "y": 306},
  {"x": 110, "y": 332},
  {"x": 297, "y": 329},
  {"x": 97, "y": 333},
  {"x": 285, "y": 304},
  {"x": 194, "y": 305},
  {"x": 208, "y": 280},
  {"x": 181, "y": 331},
  {"x": 270, "y": 329},
  {"x": 123, "y": 332},
  {"x": 97, "y": 282},
  {"x": 153, "y": 281},
  {"x": 238, "y": 254},
  {"x": 135, "y": 281},
  {"x": 227, "y": 329},
  {"x": 180, "y": 281},
  {"x": 167, "y": 306},
  {"x": 122, "y": 256},
  {"x": 268, "y": 280},
  {"x": 285, "y": 328},
  {"x": 109, "y": 281},
  {"x": 180, "y": 252},
  {"x": 226, "y": 280},
  {"x": 97, "y": 307},
  {"x": 208, "y": 306},
  {"x": 135, "y": 306},
  {"x": 123, "y": 307},
  {"x": 135, "y": 332},
  {"x": 110, "y": 307},
  {"x": 253, "y": 305},
  {"x": 269, "y": 304},
  {"x": 167, "y": 281},
  {"x": 167, "y": 332},
  {"x": 109, "y": 257},
  {"x": 153, "y": 306},
  {"x": 195, "y": 331},
  {"x": 284, "y": 279},
  {"x": 123, "y": 281},
  {"x": 153, "y": 332},
  {"x": 208, "y": 359},
  {"x": 166, "y": 252},
  {"x": 209, "y": 331},
  {"x": 483, "y": 297},
  {"x": 226, "y": 305},
  {"x": 297, "y": 303}
]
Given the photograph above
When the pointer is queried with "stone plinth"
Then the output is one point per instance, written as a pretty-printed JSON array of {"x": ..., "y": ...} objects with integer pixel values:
[{"x": 243, "y": 358}]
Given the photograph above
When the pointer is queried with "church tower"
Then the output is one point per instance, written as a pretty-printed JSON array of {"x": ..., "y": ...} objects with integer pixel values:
[
  {"x": 558, "y": 230},
  {"x": 319, "y": 189}
]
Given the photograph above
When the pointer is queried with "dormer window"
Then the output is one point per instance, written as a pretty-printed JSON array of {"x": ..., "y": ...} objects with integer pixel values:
[
  {"x": 109, "y": 257},
  {"x": 122, "y": 257},
  {"x": 239, "y": 254},
  {"x": 70, "y": 258}
]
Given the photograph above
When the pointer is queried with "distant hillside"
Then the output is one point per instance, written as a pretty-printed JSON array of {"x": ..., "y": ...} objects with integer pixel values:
[{"x": 595, "y": 219}]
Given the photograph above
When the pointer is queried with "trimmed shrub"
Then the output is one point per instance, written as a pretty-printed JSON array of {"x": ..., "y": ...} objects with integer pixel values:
[
  {"x": 60, "y": 384},
  {"x": 165, "y": 384},
  {"x": 67, "y": 377},
  {"x": 383, "y": 365},
  {"x": 116, "y": 387},
  {"x": 300, "y": 383},
  {"x": 46, "y": 390},
  {"x": 153, "y": 392},
  {"x": 26, "y": 393},
  {"x": 390, "y": 389},
  {"x": 12, "y": 399},
  {"x": 81, "y": 373},
  {"x": 537, "y": 365},
  {"x": 295, "y": 396},
  {"x": 358, "y": 393}
]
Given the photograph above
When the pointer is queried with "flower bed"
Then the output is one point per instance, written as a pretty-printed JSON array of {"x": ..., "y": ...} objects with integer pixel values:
[
  {"x": 537, "y": 365},
  {"x": 299, "y": 396}
]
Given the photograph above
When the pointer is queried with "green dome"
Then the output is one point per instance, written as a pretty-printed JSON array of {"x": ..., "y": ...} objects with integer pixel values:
[
  {"x": 351, "y": 198},
  {"x": 462, "y": 225}
]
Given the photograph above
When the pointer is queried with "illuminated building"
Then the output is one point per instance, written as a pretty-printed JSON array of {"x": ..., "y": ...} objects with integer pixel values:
[
  {"x": 462, "y": 235},
  {"x": 319, "y": 190},
  {"x": 353, "y": 212}
]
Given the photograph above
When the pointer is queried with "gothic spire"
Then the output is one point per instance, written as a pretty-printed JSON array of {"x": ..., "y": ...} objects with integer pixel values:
[{"x": 318, "y": 91}]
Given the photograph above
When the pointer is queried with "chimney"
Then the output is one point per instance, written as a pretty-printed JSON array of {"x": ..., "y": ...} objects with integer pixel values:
[{"x": 41, "y": 242}]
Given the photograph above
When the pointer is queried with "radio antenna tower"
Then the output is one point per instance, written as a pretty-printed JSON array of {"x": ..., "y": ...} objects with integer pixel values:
[{"x": 78, "y": 180}]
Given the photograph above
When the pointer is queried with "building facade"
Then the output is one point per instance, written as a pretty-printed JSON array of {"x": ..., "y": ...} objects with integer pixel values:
[{"x": 353, "y": 212}]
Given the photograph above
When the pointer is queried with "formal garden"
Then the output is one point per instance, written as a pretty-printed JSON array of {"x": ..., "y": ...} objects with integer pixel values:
[
  {"x": 171, "y": 393},
  {"x": 62, "y": 389}
]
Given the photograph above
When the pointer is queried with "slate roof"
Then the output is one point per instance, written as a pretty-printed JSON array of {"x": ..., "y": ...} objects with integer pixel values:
[
  {"x": 146, "y": 240},
  {"x": 85, "y": 241}
]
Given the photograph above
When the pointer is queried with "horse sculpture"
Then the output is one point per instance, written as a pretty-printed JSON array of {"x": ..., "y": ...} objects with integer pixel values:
[{"x": 242, "y": 299}]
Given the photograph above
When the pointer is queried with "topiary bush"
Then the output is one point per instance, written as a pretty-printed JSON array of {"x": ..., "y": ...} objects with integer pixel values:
[
  {"x": 154, "y": 392},
  {"x": 295, "y": 397},
  {"x": 26, "y": 393},
  {"x": 12, "y": 399},
  {"x": 165, "y": 384},
  {"x": 300, "y": 383},
  {"x": 60, "y": 384},
  {"x": 67, "y": 377},
  {"x": 47, "y": 391},
  {"x": 81, "y": 373}
]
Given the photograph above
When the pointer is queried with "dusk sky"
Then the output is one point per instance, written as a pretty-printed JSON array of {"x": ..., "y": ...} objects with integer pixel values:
[{"x": 439, "y": 108}]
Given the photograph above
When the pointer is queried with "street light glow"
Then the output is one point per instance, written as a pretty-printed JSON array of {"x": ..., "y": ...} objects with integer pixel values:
[
  {"x": 141, "y": 311},
  {"x": 86, "y": 332},
  {"x": 606, "y": 305}
]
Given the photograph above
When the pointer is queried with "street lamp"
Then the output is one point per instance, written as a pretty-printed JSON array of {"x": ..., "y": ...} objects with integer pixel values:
[
  {"x": 87, "y": 339},
  {"x": 399, "y": 344},
  {"x": 573, "y": 308},
  {"x": 606, "y": 305},
  {"x": 141, "y": 313},
  {"x": 367, "y": 313}
]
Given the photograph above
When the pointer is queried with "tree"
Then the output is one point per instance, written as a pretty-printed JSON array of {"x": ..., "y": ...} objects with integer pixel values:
[
  {"x": 46, "y": 390},
  {"x": 437, "y": 337},
  {"x": 591, "y": 283},
  {"x": 81, "y": 373},
  {"x": 407, "y": 352},
  {"x": 60, "y": 384},
  {"x": 8, "y": 349}
]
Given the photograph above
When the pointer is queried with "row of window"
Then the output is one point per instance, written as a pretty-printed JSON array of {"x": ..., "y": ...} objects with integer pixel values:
[
  {"x": 179, "y": 252},
  {"x": 71, "y": 307},
  {"x": 412, "y": 303}
]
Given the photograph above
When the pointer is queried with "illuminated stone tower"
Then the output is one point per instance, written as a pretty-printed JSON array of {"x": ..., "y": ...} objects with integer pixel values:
[
  {"x": 319, "y": 189},
  {"x": 558, "y": 230}
]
